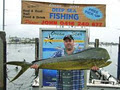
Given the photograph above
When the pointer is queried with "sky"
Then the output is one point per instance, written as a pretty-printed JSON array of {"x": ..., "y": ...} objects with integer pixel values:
[{"x": 13, "y": 26}]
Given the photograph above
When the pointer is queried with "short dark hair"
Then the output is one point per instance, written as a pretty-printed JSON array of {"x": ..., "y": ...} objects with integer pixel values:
[{"x": 68, "y": 37}]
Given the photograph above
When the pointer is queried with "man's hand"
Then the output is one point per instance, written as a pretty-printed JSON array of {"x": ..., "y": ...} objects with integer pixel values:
[
  {"x": 94, "y": 68},
  {"x": 35, "y": 66}
]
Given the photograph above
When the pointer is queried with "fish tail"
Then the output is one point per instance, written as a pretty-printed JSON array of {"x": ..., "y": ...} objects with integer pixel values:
[{"x": 24, "y": 66}]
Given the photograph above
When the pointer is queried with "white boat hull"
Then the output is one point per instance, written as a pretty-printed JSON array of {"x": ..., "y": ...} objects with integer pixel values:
[{"x": 102, "y": 87}]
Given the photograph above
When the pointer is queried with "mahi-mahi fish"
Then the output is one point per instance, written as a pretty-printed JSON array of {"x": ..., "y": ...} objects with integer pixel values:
[{"x": 83, "y": 60}]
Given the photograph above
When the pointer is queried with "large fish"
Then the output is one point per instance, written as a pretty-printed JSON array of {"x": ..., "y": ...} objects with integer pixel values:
[{"x": 83, "y": 60}]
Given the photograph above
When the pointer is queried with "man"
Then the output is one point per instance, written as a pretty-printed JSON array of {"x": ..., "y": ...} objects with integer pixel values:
[{"x": 69, "y": 79}]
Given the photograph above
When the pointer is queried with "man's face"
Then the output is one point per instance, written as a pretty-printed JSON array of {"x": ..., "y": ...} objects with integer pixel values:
[{"x": 69, "y": 44}]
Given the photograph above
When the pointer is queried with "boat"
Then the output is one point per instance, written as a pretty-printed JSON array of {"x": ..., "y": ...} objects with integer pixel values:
[
  {"x": 97, "y": 80},
  {"x": 102, "y": 80}
]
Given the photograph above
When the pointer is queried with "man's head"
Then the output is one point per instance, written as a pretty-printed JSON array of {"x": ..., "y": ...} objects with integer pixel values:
[{"x": 68, "y": 42}]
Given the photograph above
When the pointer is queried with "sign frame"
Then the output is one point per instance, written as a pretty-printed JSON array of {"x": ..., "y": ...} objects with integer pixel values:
[{"x": 41, "y": 51}]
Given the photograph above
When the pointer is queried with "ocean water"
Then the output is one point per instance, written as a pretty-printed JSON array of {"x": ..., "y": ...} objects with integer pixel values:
[{"x": 21, "y": 52}]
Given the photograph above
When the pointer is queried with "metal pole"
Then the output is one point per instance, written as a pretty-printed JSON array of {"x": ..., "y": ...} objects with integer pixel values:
[
  {"x": 118, "y": 70},
  {"x": 36, "y": 54},
  {"x": 36, "y": 48},
  {"x": 3, "y": 15},
  {"x": 96, "y": 43}
]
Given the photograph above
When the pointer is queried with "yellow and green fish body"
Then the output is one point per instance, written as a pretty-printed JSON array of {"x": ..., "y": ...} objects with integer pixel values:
[{"x": 83, "y": 60}]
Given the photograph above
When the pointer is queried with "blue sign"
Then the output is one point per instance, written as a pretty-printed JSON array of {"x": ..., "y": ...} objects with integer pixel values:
[
  {"x": 93, "y": 13},
  {"x": 52, "y": 42}
]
